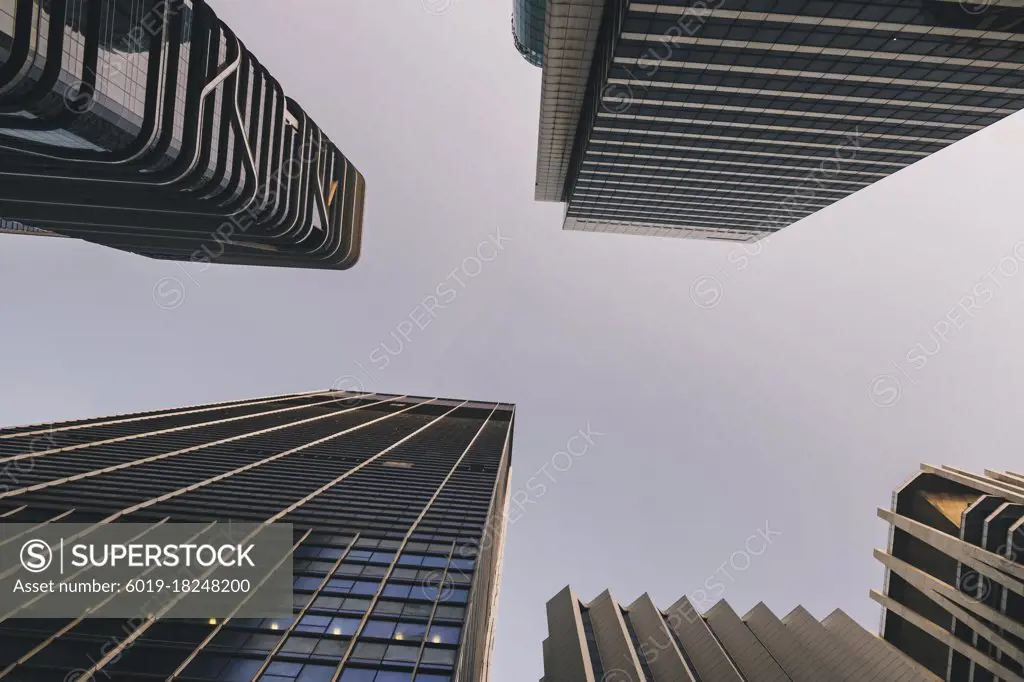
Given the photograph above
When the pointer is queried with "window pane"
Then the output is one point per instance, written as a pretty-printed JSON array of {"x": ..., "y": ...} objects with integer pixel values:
[{"x": 401, "y": 652}]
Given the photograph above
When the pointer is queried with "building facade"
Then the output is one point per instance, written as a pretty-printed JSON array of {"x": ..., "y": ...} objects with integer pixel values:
[
  {"x": 397, "y": 504},
  {"x": 954, "y": 587},
  {"x": 604, "y": 641},
  {"x": 729, "y": 119},
  {"x": 11, "y": 227},
  {"x": 148, "y": 126}
]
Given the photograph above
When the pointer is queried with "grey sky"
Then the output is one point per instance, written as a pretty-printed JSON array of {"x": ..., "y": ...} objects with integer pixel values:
[{"x": 715, "y": 420}]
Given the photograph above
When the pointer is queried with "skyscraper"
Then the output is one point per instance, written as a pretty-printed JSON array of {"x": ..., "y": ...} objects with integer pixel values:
[
  {"x": 397, "y": 505},
  {"x": 954, "y": 586},
  {"x": 602, "y": 641},
  {"x": 721, "y": 119},
  {"x": 147, "y": 126}
]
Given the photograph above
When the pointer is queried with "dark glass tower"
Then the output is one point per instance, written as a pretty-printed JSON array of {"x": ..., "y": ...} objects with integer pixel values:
[
  {"x": 528, "y": 29},
  {"x": 397, "y": 504},
  {"x": 954, "y": 588},
  {"x": 604, "y": 641},
  {"x": 148, "y": 126},
  {"x": 731, "y": 119}
]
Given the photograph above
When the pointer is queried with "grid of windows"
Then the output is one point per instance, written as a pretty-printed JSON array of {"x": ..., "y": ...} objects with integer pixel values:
[
  {"x": 748, "y": 116},
  {"x": 528, "y": 29},
  {"x": 391, "y": 570}
]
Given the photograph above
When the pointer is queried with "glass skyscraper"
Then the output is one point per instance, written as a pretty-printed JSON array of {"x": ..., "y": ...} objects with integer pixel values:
[
  {"x": 148, "y": 126},
  {"x": 731, "y": 119},
  {"x": 397, "y": 505}
]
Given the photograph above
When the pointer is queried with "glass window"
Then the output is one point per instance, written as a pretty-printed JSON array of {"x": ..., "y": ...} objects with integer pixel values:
[
  {"x": 358, "y": 675},
  {"x": 432, "y": 678},
  {"x": 313, "y": 624},
  {"x": 450, "y": 612},
  {"x": 410, "y": 560},
  {"x": 343, "y": 626},
  {"x": 393, "y": 590},
  {"x": 354, "y": 605},
  {"x": 331, "y": 648},
  {"x": 379, "y": 628},
  {"x": 384, "y": 607},
  {"x": 435, "y": 657},
  {"x": 445, "y": 634},
  {"x": 340, "y": 584},
  {"x": 402, "y": 652},
  {"x": 383, "y": 557},
  {"x": 306, "y": 583},
  {"x": 411, "y": 631},
  {"x": 365, "y": 587},
  {"x": 417, "y": 610},
  {"x": 405, "y": 573},
  {"x": 392, "y": 676},
  {"x": 327, "y": 603},
  {"x": 369, "y": 651},
  {"x": 299, "y": 645},
  {"x": 316, "y": 673},
  {"x": 284, "y": 669},
  {"x": 239, "y": 670},
  {"x": 435, "y": 561}
]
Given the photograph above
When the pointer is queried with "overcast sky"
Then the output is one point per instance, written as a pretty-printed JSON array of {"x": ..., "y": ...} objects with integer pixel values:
[{"x": 789, "y": 390}]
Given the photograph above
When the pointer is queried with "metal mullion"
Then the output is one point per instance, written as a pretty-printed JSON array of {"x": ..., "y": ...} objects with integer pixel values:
[
  {"x": 74, "y": 623},
  {"x": 339, "y": 479},
  {"x": 174, "y": 429},
  {"x": 33, "y": 529},
  {"x": 12, "y": 512},
  {"x": 220, "y": 625},
  {"x": 115, "y": 652},
  {"x": 433, "y": 610},
  {"x": 204, "y": 115},
  {"x": 253, "y": 465},
  {"x": 302, "y": 612},
  {"x": 153, "y": 458},
  {"x": 405, "y": 541},
  {"x": 208, "y": 407}
]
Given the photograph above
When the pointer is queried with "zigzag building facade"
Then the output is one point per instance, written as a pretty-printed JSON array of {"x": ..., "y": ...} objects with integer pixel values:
[{"x": 604, "y": 641}]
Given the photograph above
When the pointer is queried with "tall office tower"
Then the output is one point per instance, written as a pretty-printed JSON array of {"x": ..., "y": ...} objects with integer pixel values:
[
  {"x": 731, "y": 119},
  {"x": 147, "y": 126},
  {"x": 605, "y": 642},
  {"x": 397, "y": 505},
  {"x": 954, "y": 586}
]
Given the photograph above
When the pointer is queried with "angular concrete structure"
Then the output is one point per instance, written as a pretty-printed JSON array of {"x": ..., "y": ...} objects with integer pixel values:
[{"x": 603, "y": 641}]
